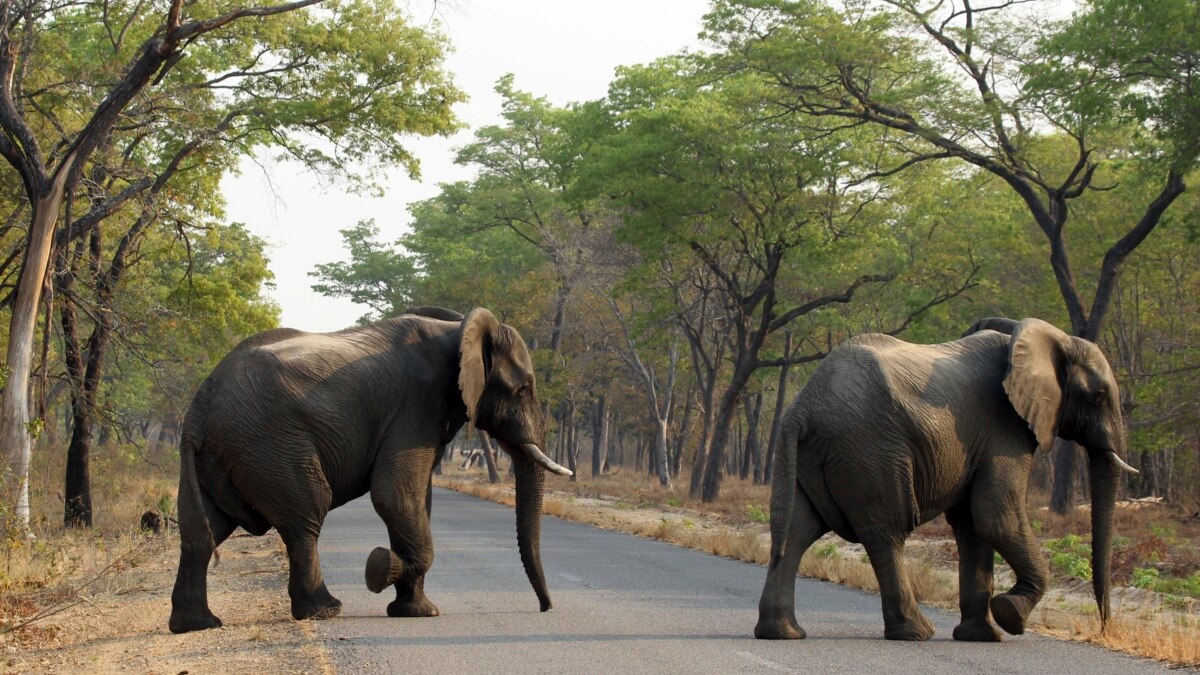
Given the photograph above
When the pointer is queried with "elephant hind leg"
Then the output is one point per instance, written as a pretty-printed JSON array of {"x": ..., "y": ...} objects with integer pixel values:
[
  {"x": 189, "y": 598},
  {"x": 975, "y": 575},
  {"x": 306, "y": 587},
  {"x": 902, "y": 618},
  {"x": 777, "y": 606}
]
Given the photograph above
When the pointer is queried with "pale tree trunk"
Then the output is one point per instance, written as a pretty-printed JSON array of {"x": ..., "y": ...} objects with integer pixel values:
[
  {"x": 14, "y": 405},
  {"x": 600, "y": 437}
]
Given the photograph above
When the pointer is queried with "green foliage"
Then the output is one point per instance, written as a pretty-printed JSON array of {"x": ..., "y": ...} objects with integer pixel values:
[
  {"x": 1069, "y": 555},
  {"x": 758, "y": 513},
  {"x": 1151, "y": 579},
  {"x": 826, "y": 550}
]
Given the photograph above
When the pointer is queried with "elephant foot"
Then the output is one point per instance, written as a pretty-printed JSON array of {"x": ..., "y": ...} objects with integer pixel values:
[
  {"x": 384, "y": 567},
  {"x": 420, "y": 606},
  {"x": 915, "y": 629},
  {"x": 778, "y": 629},
  {"x": 976, "y": 630},
  {"x": 1010, "y": 612},
  {"x": 319, "y": 605},
  {"x": 183, "y": 621}
]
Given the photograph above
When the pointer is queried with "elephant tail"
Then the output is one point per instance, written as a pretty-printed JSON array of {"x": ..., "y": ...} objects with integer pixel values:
[
  {"x": 783, "y": 480},
  {"x": 194, "y": 529}
]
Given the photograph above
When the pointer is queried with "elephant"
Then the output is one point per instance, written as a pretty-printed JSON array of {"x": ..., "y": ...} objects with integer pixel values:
[
  {"x": 887, "y": 435},
  {"x": 292, "y": 424}
]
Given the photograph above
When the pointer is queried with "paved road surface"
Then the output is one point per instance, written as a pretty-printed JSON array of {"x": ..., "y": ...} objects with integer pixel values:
[{"x": 624, "y": 604}]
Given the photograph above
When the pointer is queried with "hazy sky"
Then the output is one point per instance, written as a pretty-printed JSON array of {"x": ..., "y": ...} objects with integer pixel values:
[{"x": 564, "y": 50}]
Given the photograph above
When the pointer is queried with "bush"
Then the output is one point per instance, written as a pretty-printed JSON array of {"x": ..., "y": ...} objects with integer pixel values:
[{"x": 1070, "y": 556}]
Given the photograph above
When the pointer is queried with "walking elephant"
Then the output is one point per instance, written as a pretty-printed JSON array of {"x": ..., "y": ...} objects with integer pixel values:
[
  {"x": 291, "y": 424},
  {"x": 887, "y": 435}
]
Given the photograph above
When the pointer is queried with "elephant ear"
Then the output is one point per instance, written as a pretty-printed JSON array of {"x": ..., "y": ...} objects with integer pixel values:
[
  {"x": 1034, "y": 383},
  {"x": 480, "y": 329}
]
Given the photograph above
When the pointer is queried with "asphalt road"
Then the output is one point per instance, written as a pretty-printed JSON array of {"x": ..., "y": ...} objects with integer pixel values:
[{"x": 624, "y": 604}]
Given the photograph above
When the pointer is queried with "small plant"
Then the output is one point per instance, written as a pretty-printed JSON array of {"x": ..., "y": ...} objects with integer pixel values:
[
  {"x": 826, "y": 550},
  {"x": 758, "y": 514},
  {"x": 1070, "y": 556},
  {"x": 1144, "y": 577},
  {"x": 674, "y": 501}
]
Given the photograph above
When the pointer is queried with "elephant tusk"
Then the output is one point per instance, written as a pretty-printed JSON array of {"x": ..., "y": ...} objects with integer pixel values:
[
  {"x": 1121, "y": 463},
  {"x": 543, "y": 461}
]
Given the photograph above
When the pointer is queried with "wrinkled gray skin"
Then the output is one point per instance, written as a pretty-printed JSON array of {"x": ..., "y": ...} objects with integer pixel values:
[
  {"x": 292, "y": 424},
  {"x": 887, "y": 435}
]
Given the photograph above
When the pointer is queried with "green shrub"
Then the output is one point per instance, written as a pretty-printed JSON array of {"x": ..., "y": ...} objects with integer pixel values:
[
  {"x": 758, "y": 513},
  {"x": 1070, "y": 556}
]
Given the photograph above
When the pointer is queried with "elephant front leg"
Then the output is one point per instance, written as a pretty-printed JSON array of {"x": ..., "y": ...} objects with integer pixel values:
[
  {"x": 975, "y": 575},
  {"x": 902, "y": 618},
  {"x": 1009, "y": 532},
  {"x": 400, "y": 492}
]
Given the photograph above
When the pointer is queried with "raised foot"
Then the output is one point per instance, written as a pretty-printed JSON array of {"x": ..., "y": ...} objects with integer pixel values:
[
  {"x": 320, "y": 605},
  {"x": 412, "y": 608},
  {"x": 778, "y": 629},
  {"x": 916, "y": 629},
  {"x": 1010, "y": 612},
  {"x": 384, "y": 567},
  {"x": 185, "y": 622},
  {"x": 977, "y": 631}
]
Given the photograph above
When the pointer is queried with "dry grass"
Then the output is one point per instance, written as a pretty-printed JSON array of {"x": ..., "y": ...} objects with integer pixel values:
[
  {"x": 733, "y": 528},
  {"x": 63, "y": 567}
]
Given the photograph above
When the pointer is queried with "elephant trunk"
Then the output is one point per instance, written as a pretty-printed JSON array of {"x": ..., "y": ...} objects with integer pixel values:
[
  {"x": 1102, "y": 472},
  {"x": 530, "y": 488}
]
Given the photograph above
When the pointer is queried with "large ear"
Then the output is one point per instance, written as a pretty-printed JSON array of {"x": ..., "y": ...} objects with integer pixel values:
[
  {"x": 1036, "y": 360},
  {"x": 480, "y": 329}
]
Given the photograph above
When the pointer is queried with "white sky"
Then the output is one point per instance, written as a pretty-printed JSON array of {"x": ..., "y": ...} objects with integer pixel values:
[{"x": 563, "y": 50}]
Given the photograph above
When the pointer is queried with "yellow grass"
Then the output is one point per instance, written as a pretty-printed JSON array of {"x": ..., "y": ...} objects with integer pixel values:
[{"x": 61, "y": 566}]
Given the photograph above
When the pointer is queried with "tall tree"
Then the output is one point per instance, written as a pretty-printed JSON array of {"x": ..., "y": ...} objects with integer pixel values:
[
  {"x": 362, "y": 117},
  {"x": 955, "y": 80}
]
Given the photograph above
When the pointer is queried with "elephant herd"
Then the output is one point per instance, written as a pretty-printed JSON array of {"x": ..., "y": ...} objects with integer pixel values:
[{"x": 885, "y": 436}]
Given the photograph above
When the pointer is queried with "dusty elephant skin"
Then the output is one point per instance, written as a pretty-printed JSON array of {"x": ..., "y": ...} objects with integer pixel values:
[
  {"x": 291, "y": 424},
  {"x": 887, "y": 435}
]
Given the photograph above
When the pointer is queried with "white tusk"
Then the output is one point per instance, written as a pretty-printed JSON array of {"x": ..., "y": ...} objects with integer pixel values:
[
  {"x": 535, "y": 453},
  {"x": 1121, "y": 463}
]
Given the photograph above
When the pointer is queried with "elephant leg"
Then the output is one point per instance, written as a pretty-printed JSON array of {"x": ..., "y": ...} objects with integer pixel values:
[
  {"x": 189, "y": 598},
  {"x": 400, "y": 492},
  {"x": 1009, "y": 532},
  {"x": 310, "y": 597},
  {"x": 902, "y": 618},
  {"x": 975, "y": 558},
  {"x": 777, "y": 606},
  {"x": 299, "y": 512}
]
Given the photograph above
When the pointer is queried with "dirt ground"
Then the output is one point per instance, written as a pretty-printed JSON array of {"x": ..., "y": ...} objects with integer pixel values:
[{"x": 121, "y": 626}]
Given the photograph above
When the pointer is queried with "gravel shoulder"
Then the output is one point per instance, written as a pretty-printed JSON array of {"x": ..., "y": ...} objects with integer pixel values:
[{"x": 121, "y": 625}]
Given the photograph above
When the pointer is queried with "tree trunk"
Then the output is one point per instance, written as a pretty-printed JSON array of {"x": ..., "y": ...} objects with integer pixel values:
[
  {"x": 14, "y": 404},
  {"x": 702, "y": 450},
  {"x": 681, "y": 433},
  {"x": 489, "y": 456},
  {"x": 600, "y": 438},
  {"x": 572, "y": 444},
  {"x": 780, "y": 407},
  {"x": 1067, "y": 468}
]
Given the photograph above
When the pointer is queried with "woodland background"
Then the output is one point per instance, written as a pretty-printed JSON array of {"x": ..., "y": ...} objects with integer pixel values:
[{"x": 679, "y": 254}]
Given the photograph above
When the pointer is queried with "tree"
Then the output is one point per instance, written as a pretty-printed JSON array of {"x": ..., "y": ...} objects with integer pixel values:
[
  {"x": 955, "y": 81},
  {"x": 292, "y": 86},
  {"x": 771, "y": 210}
]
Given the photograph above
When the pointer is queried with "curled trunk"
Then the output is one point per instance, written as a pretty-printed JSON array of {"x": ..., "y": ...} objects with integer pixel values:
[{"x": 530, "y": 488}]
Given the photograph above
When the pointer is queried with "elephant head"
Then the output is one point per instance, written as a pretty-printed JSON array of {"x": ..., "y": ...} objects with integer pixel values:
[
  {"x": 1063, "y": 386},
  {"x": 497, "y": 382}
]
